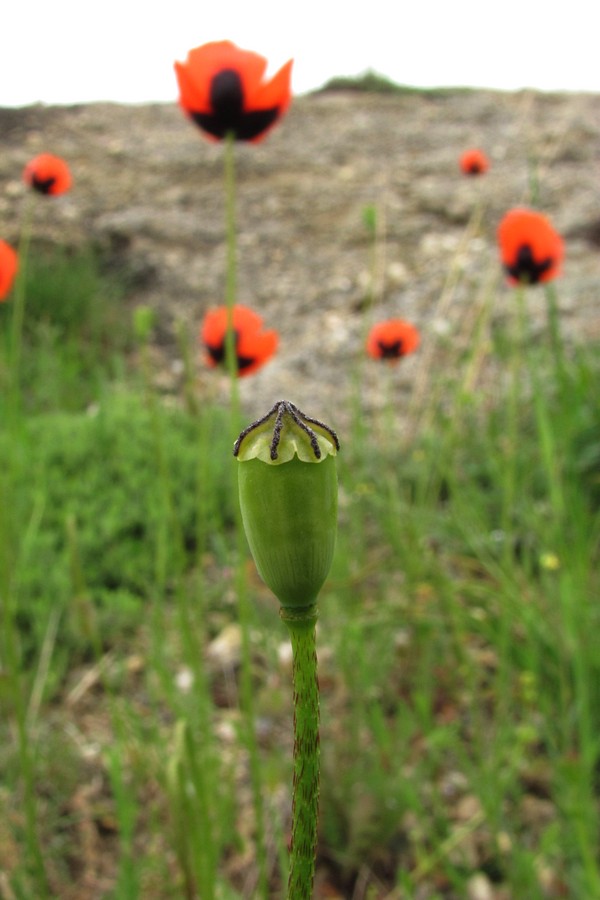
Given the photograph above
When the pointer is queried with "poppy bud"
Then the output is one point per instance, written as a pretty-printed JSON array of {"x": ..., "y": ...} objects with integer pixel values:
[{"x": 288, "y": 497}]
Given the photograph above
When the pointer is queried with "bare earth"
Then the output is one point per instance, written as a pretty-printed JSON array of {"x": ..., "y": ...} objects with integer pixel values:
[{"x": 149, "y": 190}]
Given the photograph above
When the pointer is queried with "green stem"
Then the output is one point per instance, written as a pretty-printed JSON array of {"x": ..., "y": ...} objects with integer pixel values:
[
  {"x": 374, "y": 291},
  {"x": 231, "y": 277},
  {"x": 301, "y": 623},
  {"x": 534, "y": 181},
  {"x": 510, "y": 486},
  {"x": 18, "y": 313},
  {"x": 556, "y": 341},
  {"x": 241, "y": 581}
]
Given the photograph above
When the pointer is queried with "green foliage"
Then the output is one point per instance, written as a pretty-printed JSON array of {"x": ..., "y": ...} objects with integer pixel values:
[
  {"x": 460, "y": 678},
  {"x": 373, "y": 83},
  {"x": 583, "y": 456},
  {"x": 464, "y": 604},
  {"x": 76, "y": 328},
  {"x": 114, "y": 496},
  {"x": 68, "y": 289}
]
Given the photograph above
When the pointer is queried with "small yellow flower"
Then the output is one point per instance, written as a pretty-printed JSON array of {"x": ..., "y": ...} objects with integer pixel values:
[{"x": 550, "y": 561}]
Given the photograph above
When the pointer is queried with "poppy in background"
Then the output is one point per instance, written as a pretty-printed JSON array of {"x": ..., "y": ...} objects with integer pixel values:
[
  {"x": 9, "y": 264},
  {"x": 48, "y": 174},
  {"x": 392, "y": 339},
  {"x": 253, "y": 346},
  {"x": 530, "y": 249},
  {"x": 223, "y": 90},
  {"x": 474, "y": 162}
]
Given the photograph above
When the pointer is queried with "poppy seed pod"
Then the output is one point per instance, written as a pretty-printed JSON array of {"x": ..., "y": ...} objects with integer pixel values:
[{"x": 288, "y": 497}]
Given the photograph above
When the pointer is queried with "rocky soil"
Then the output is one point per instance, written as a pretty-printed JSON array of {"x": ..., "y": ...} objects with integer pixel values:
[{"x": 149, "y": 191}]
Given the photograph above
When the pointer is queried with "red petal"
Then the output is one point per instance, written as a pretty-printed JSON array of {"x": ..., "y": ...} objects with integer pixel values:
[
  {"x": 252, "y": 343},
  {"x": 203, "y": 63},
  {"x": 259, "y": 346},
  {"x": 195, "y": 77},
  {"x": 275, "y": 92},
  {"x": 47, "y": 168},
  {"x": 9, "y": 264},
  {"x": 474, "y": 162},
  {"x": 391, "y": 332},
  {"x": 215, "y": 321},
  {"x": 527, "y": 226}
]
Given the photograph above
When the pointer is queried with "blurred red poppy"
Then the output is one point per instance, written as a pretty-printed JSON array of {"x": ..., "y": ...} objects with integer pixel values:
[
  {"x": 48, "y": 174},
  {"x": 253, "y": 346},
  {"x": 530, "y": 249},
  {"x": 9, "y": 264},
  {"x": 223, "y": 90},
  {"x": 474, "y": 162},
  {"x": 393, "y": 339}
]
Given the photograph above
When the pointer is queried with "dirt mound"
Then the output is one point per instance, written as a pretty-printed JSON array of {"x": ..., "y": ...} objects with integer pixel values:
[{"x": 149, "y": 190}]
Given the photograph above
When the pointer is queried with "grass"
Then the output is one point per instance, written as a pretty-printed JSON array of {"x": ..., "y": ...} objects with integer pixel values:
[
  {"x": 459, "y": 669},
  {"x": 75, "y": 332}
]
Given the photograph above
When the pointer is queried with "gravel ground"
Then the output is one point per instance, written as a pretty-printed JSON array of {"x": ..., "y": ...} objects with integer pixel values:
[{"x": 149, "y": 190}]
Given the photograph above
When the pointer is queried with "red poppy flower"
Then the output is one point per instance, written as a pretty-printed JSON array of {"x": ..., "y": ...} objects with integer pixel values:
[
  {"x": 253, "y": 346},
  {"x": 223, "y": 90},
  {"x": 48, "y": 174},
  {"x": 474, "y": 162},
  {"x": 530, "y": 248},
  {"x": 9, "y": 264},
  {"x": 393, "y": 339}
]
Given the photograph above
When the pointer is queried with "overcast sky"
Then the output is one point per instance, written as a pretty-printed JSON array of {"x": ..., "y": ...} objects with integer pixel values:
[{"x": 70, "y": 51}]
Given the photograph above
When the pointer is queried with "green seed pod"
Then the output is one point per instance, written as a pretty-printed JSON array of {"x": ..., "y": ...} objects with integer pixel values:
[{"x": 288, "y": 496}]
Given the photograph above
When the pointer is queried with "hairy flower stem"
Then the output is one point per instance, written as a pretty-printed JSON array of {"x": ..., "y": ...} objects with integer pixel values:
[{"x": 301, "y": 624}]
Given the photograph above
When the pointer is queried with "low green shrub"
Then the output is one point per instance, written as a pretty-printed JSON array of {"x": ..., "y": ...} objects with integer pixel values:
[{"x": 107, "y": 503}]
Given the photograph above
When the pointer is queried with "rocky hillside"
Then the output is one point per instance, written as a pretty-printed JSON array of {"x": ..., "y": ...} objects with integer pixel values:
[{"x": 149, "y": 190}]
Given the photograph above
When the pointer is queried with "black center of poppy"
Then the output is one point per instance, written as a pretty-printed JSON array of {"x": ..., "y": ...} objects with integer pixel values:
[
  {"x": 527, "y": 269},
  {"x": 228, "y": 115},
  {"x": 227, "y": 95},
  {"x": 217, "y": 354},
  {"x": 43, "y": 185},
  {"x": 390, "y": 350}
]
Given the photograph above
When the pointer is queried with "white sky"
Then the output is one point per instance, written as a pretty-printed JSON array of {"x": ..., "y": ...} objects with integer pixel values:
[{"x": 71, "y": 51}]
